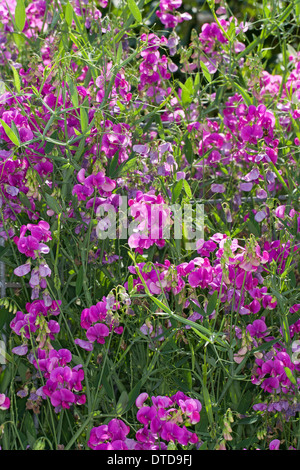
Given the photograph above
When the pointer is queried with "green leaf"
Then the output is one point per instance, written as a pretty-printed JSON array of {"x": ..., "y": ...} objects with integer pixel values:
[
  {"x": 187, "y": 188},
  {"x": 177, "y": 190},
  {"x": 208, "y": 407},
  {"x": 10, "y": 134},
  {"x": 212, "y": 303},
  {"x": 290, "y": 375},
  {"x": 265, "y": 346},
  {"x": 39, "y": 444},
  {"x": 2, "y": 88},
  {"x": 197, "y": 82},
  {"x": 297, "y": 10},
  {"x": 69, "y": 14},
  {"x": 79, "y": 281},
  {"x": 73, "y": 92},
  {"x": 126, "y": 166},
  {"x": 133, "y": 394},
  {"x": 19, "y": 40},
  {"x": 161, "y": 305},
  {"x": 249, "y": 420},
  {"x": 15, "y": 130},
  {"x": 186, "y": 95},
  {"x": 24, "y": 200},
  {"x": 5, "y": 379},
  {"x": 119, "y": 52},
  {"x": 20, "y": 15},
  {"x": 30, "y": 429},
  {"x": 16, "y": 79},
  {"x": 189, "y": 84},
  {"x": 134, "y": 9},
  {"x": 107, "y": 386},
  {"x": 51, "y": 202},
  {"x": 84, "y": 120},
  {"x": 113, "y": 165},
  {"x": 172, "y": 446},
  {"x": 205, "y": 71},
  {"x": 188, "y": 150},
  {"x": 203, "y": 446},
  {"x": 248, "y": 100},
  {"x": 122, "y": 403},
  {"x": 130, "y": 284},
  {"x": 196, "y": 308}
]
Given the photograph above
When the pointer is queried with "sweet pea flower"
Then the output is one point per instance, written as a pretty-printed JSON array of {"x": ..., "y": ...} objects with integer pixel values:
[
  {"x": 98, "y": 332},
  {"x": 274, "y": 445},
  {"x": 4, "y": 402}
]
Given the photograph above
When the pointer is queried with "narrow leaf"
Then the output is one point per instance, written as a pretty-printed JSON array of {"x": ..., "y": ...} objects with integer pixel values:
[
  {"x": 10, "y": 134},
  {"x": 290, "y": 375},
  {"x": 16, "y": 79},
  {"x": 187, "y": 189},
  {"x": 134, "y": 9},
  {"x": 205, "y": 71},
  {"x": 69, "y": 14},
  {"x": 51, "y": 202},
  {"x": 212, "y": 303},
  {"x": 83, "y": 120},
  {"x": 20, "y": 15},
  {"x": 177, "y": 190},
  {"x": 79, "y": 281}
]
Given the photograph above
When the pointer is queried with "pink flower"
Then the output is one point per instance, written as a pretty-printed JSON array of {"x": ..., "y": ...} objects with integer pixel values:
[
  {"x": 98, "y": 332},
  {"x": 279, "y": 212},
  {"x": 274, "y": 445},
  {"x": 217, "y": 188},
  {"x": 4, "y": 402},
  {"x": 62, "y": 397}
]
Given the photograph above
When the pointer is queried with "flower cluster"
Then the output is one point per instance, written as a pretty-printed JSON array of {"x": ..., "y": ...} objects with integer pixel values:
[
  {"x": 151, "y": 218},
  {"x": 270, "y": 372},
  {"x": 103, "y": 319},
  {"x": 35, "y": 321},
  {"x": 111, "y": 436},
  {"x": 62, "y": 381},
  {"x": 164, "y": 421},
  {"x": 33, "y": 245},
  {"x": 99, "y": 182},
  {"x": 235, "y": 272},
  {"x": 157, "y": 277},
  {"x": 120, "y": 90},
  {"x": 167, "y": 14},
  {"x": 154, "y": 68}
]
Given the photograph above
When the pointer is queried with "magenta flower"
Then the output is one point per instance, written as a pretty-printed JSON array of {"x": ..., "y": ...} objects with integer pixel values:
[
  {"x": 274, "y": 445},
  {"x": 109, "y": 437},
  {"x": 141, "y": 399},
  {"x": 295, "y": 308},
  {"x": 4, "y": 402},
  {"x": 28, "y": 246},
  {"x": 257, "y": 329},
  {"x": 98, "y": 333},
  {"x": 62, "y": 397},
  {"x": 279, "y": 212},
  {"x": 61, "y": 374}
]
